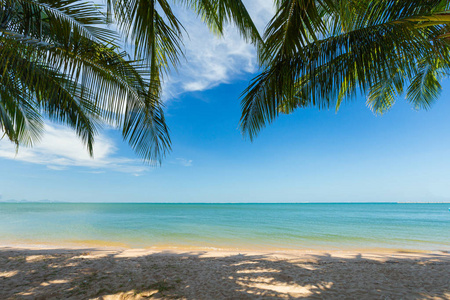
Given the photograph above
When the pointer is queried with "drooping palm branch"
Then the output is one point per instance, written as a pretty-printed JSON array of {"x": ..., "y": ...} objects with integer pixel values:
[
  {"x": 320, "y": 53},
  {"x": 59, "y": 60}
]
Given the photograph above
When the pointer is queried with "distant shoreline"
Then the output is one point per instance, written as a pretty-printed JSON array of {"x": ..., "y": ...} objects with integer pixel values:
[
  {"x": 216, "y": 203},
  {"x": 57, "y": 248},
  {"x": 117, "y": 246}
]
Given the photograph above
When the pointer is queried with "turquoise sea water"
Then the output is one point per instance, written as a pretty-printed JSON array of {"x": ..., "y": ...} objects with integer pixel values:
[{"x": 229, "y": 226}]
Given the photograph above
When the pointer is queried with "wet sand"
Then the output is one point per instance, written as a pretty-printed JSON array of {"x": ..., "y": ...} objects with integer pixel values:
[{"x": 108, "y": 273}]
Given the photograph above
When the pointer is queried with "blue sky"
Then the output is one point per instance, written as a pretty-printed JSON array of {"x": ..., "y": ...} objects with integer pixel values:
[{"x": 309, "y": 156}]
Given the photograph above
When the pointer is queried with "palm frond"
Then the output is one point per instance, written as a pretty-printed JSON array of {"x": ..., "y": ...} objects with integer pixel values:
[
  {"x": 377, "y": 54},
  {"x": 425, "y": 87},
  {"x": 382, "y": 94},
  {"x": 81, "y": 82},
  {"x": 295, "y": 24},
  {"x": 216, "y": 14}
]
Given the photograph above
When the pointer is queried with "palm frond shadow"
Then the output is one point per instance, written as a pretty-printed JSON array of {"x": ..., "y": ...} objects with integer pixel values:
[{"x": 70, "y": 274}]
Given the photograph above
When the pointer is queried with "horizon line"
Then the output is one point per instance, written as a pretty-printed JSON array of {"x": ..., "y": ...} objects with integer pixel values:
[{"x": 94, "y": 202}]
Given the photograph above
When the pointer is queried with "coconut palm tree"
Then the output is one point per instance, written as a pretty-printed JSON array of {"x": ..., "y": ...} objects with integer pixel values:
[
  {"x": 323, "y": 52},
  {"x": 59, "y": 60}
]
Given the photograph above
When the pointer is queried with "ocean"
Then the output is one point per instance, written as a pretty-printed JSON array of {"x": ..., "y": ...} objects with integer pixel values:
[{"x": 328, "y": 226}]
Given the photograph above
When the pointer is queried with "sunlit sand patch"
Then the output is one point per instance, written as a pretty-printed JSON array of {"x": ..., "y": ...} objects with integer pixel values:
[
  {"x": 258, "y": 270},
  {"x": 292, "y": 290},
  {"x": 72, "y": 264},
  {"x": 430, "y": 297},
  {"x": 131, "y": 295},
  {"x": 132, "y": 253},
  {"x": 8, "y": 274},
  {"x": 244, "y": 263},
  {"x": 58, "y": 281},
  {"x": 34, "y": 258},
  {"x": 309, "y": 267}
]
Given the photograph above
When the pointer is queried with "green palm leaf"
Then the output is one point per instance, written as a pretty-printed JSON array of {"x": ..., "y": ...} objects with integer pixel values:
[
  {"x": 66, "y": 73},
  {"x": 60, "y": 61},
  {"x": 369, "y": 47},
  {"x": 425, "y": 87}
]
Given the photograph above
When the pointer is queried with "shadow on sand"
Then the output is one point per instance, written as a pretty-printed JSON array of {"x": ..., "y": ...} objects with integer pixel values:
[{"x": 92, "y": 274}]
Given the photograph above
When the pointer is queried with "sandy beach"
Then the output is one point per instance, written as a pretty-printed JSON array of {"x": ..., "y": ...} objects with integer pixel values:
[{"x": 106, "y": 273}]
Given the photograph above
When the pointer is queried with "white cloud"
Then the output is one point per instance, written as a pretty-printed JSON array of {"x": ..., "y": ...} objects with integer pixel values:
[
  {"x": 212, "y": 60},
  {"x": 60, "y": 149},
  {"x": 184, "y": 162}
]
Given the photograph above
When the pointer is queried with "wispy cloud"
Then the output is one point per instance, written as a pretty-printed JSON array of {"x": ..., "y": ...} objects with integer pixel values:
[
  {"x": 60, "y": 149},
  {"x": 184, "y": 162},
  {"x": 212, "y": 60}
]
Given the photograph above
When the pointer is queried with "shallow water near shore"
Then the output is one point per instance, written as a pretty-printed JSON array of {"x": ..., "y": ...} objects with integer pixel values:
[{"x": 229, "y": 226}]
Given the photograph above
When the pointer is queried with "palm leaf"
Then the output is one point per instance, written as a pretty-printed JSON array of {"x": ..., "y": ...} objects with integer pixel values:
[{"x": 377, "y": 55}]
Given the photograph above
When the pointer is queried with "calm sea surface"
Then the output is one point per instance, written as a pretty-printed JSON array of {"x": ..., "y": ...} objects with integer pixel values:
[{"x": 229, "y": 226}]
